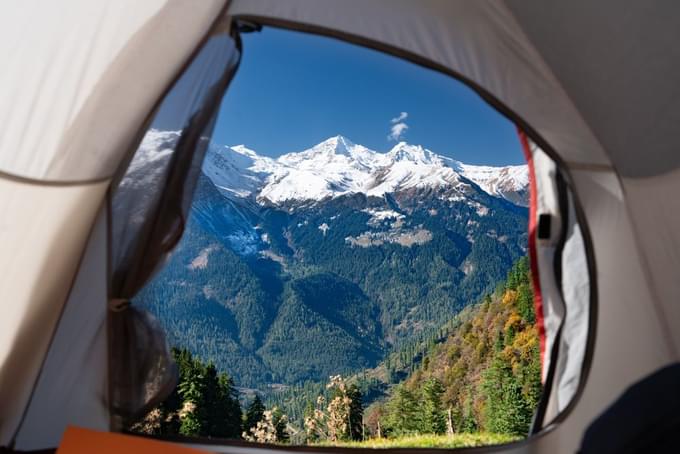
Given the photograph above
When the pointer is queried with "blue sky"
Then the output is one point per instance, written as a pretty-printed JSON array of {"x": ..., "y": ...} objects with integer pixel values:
[{"x": 294, "y": 90}]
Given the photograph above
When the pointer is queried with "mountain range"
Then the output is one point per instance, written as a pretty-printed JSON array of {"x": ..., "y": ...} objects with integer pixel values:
[
  {"x": 337, "y": 167},
  {"x": 322, "y": 261}
]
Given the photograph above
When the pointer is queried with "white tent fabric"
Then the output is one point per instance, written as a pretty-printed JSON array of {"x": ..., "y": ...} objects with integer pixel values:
[
  {"x": 564, "y": 298},
  {"x": 595, "y": 81},
  {"x": 547, "y": 203},
  {"x": 79, "y": 89},
  {"x": 576, "y": 295},
  {"x": 68, "y": 393},
  {"x": 44, "y": 230}
]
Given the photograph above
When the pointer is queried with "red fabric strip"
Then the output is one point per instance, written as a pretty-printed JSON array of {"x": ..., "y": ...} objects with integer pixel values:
[{"x": 533, "y": 216}]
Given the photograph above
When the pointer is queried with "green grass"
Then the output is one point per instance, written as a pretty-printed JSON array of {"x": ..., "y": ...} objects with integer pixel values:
[{"x": 463, "y": 440}]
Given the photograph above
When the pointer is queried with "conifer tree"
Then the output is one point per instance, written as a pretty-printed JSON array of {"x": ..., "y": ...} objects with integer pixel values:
[
  {"x": 506, "y": 410},
  {"x": 356, "y": 412},
  {"x": 432, "y": 417},
  {"x": 226, "y": 410},
  {"x": 280, "y": 421},
  {"x": 254, "y": 413},
  {"x": 402, "y": 417}
]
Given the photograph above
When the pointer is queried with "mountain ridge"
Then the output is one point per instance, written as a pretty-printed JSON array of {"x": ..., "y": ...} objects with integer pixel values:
[
  {"x": 247, "y": 285},
  {"x": 338, "y": 166}
]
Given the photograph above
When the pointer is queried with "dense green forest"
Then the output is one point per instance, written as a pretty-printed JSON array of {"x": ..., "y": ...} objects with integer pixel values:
[
  {"x": 261, "y": 291},
  {"x": 204, "y": 403},
  {"x": 479, "y": 373}
]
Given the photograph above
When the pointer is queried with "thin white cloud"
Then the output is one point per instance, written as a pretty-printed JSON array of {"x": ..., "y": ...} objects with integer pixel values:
[
  {"x": 401, "y": 117},
  {"x": 398, "y": 127},
  {"x": 397, "y": 131}
]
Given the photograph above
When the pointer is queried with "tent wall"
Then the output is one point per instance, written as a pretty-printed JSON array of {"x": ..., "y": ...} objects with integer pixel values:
[
  {"x": 44, "y": 230},
  {"x": 652, "y": 203},
  {"x": 72, "y": 388},
  {"x": 83, "y": 79},
  {"x": 79, "y": 90},
  {"x": 619, "y": 63},
  {"x": 627, "y": 344}
]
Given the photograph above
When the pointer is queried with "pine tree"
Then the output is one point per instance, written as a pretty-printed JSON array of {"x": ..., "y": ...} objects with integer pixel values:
[
  {"x": 280, "y": 421},
  {"x": 402, "y": 417},
  {"x": 254, "y": 414},
  {"x": 506, "y": 410},
  {"x": 356, "y": 412},
  {"x": 205, "y": 403},
  {"x": 227, "y": 410},
  {"x": 432, "y": 417},
  {"x": 191, "y": 389}
]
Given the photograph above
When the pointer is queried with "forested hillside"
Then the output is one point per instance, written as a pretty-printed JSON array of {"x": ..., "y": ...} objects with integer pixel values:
[
  {"x": 479, "y": 375},
  {"x": 484, "y": 377},
  {"x": 263, "y": 291},
  {"x": 482, "y": 368}
]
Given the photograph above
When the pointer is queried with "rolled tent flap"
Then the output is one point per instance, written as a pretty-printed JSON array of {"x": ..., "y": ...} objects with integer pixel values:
[
  {"x": 561, "y": 282},
  {"x": 143, "y": 372},
  {"x": 575, "y": 276},
  {"x": 543, "y": 203},
  {"x": 148, "y": 213}
]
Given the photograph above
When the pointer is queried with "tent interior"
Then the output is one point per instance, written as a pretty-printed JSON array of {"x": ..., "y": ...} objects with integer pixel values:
[{"x": 591, "y": 85}]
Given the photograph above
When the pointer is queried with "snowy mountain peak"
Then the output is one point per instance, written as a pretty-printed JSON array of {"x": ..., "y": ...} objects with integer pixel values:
[
  {"x": 242, "y": 149},
  {"x": 336, "y": 145},
  {"x": 414, "y": 153},
  {"x": 337, "y": 166},
  {"x": 509, "y": 182}
]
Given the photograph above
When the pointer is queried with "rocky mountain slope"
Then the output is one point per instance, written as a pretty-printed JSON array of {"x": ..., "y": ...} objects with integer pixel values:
[
  {"x": 337, "y": 167},
  {"x": 320, "y": 262}
]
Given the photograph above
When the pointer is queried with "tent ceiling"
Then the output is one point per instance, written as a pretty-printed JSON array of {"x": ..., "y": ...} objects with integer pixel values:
[{"x": 626, "y": 88}]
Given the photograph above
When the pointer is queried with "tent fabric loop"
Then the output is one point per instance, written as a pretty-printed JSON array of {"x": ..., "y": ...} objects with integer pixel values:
[
  {"x": 149, "y": 373},
  {"x": 118, "y": 304}
]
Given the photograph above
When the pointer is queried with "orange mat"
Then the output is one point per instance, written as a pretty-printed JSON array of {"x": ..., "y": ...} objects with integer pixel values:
[{"x": 84, "y": 441}]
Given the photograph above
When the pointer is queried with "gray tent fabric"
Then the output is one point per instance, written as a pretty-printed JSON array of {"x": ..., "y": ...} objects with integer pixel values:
[
  {"x": 644, "y": 419},
  {"x": 148, "y": 214},
  {"x": 619, "y": 62}
]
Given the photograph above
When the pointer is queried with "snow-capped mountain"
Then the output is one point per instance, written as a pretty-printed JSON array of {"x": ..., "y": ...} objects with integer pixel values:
[
  {"x": 509, "y": 182},
  {"x": 373, "y": 247},
  {"x": 338, "y": 167}
]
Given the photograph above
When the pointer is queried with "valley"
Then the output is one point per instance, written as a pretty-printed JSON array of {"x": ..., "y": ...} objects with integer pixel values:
[{"x": 324, "y": 261}]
